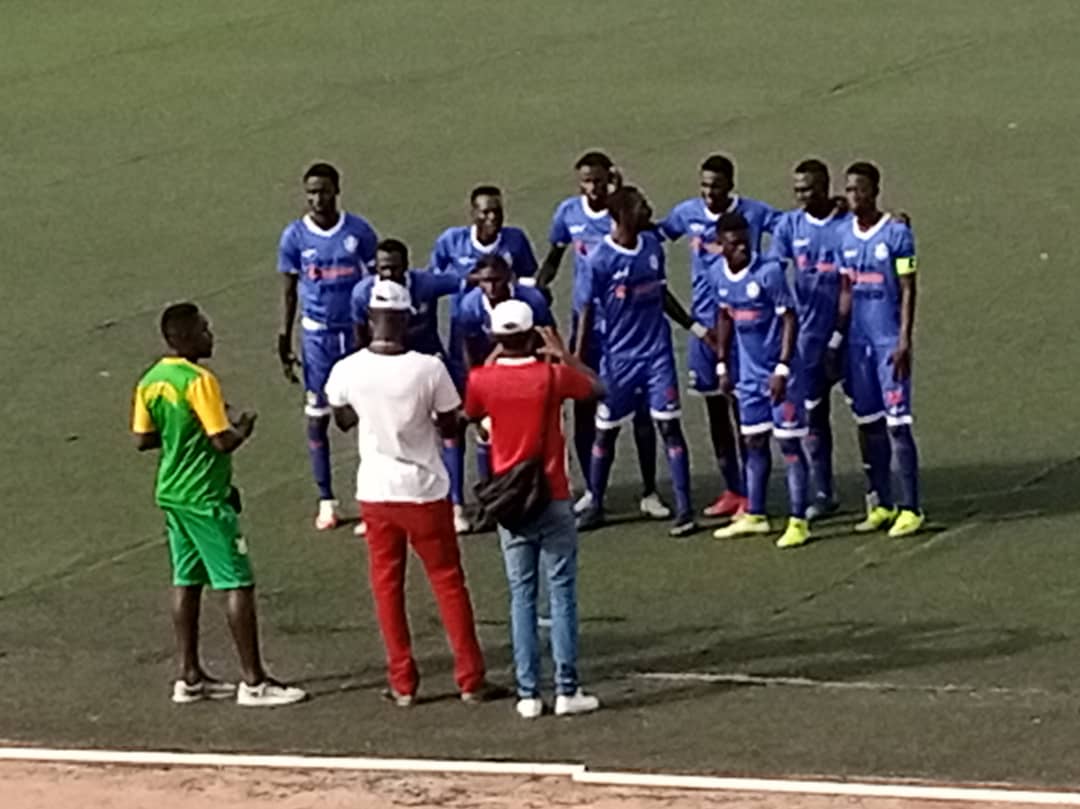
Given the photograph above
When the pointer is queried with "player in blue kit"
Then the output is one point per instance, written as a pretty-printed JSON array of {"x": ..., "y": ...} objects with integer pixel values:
[
  {"x": 321, "y": 257},
  {"x": 756, "y": 313},
  {"x": 456, "y": 251},
  {"x": 627, "y": 288},
  {"x": 877, "y": 309},
  {"x": 495, "y": 283},
  {"x": 581, "y": 222},
  {"x": 425, "y": 289},
  {"x": 808, "y": 238},
  {"x": 696, "y": 219}
]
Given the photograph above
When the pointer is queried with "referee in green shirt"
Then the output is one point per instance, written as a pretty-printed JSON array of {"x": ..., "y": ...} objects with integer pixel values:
[{"x": 179, "y": 410}]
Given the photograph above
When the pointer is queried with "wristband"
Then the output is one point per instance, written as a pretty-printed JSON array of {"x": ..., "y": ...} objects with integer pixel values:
[
  {"x": 836, "y": 340},
  {"x": 781, "y": 369},
  {"x": 721, "y": 369},
  {"x": 698, "y": 330}
]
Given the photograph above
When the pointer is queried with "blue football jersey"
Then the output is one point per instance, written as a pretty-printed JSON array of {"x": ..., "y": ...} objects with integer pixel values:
[
  {"x": 874, "y": 260},
  {"x": 328, "y": 263},
  {"x": 812, "y": 246},
  {"x": 627, "y": 289},
  {"x": 474, "y": 316},
  {"x": 578, "y": 226},
  {"x": 755, "y": 299},
  {"x": 692, "y": 218},
  {"x": 425, "y": 289},
  {"x": 457, "y": 251}
]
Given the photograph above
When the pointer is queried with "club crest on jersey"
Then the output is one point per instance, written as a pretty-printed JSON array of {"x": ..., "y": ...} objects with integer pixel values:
[
  {"x": 309, "y": 254},
  {"x": 881, "y": 252},
  {"x": 753, "y": 289},
  {"x": 351, "y": 243}
]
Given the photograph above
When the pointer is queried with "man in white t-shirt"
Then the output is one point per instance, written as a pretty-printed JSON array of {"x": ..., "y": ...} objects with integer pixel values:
[{"x": 402, "y": 403}]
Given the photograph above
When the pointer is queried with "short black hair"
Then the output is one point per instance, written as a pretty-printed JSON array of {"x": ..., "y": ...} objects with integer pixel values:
[
  {"x": 732, "y": 221},
  {"x": 594, "y": 160},
  {"x": 864, "y": 168},
  {"x": 813, "y": 166},
  {"x": 323, "y": 170},
  {"x": 484, "y": 191},
  {"x": 720, "y": 164},
  {"x": 178, "y": 322},
  {"x": 493, "y": 260},
  {"x": 619, "y": 200},
  {"x": 394, "y": 246}
]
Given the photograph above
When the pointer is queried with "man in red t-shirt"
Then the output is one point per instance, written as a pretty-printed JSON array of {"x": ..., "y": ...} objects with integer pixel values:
[{"x": 518, "y": 397}]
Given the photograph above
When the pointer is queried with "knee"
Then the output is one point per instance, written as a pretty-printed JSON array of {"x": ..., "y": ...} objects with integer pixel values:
[{"x": 671, "y": 430}]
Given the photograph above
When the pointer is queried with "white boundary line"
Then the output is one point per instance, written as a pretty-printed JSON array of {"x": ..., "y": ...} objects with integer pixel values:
[{"x": 575, "y": 772}]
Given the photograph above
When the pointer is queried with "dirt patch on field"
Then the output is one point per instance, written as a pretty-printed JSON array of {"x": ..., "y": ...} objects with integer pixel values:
[{"x": 57, "y": 786}]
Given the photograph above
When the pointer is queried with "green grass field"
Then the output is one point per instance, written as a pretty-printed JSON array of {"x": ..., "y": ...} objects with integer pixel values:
[{"x": 151, "y": 152}]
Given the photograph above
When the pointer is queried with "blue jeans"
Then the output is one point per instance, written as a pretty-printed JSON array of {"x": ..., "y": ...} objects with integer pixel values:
[{"x": 548, "y": 544}]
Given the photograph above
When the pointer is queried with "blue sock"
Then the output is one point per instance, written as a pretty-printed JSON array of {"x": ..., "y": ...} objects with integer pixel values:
[
  {"x": 584, "y": 437},
  {"x": 483, "y": 460},
  {"x": 318, "y": 441},
  {"x": 758, "y": 466},
  {"x": 819, "y": 448},
  {"x": 797, "y": 474},
  {"x": 907, "y": 463},
  {"x": 879, "y": 458},
  {"x": 603, "y": 456},
  {"x": 645, "y": 440},
  {"x": 454, "y": 459},
  {"x": 679, "y": 463}
]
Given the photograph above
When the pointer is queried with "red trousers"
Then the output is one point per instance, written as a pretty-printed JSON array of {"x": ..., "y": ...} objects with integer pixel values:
[{"x": 429, "y": 528}]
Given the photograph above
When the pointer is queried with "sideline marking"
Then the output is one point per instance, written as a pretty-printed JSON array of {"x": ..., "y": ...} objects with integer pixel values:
[{"x": 575, "y": 772}]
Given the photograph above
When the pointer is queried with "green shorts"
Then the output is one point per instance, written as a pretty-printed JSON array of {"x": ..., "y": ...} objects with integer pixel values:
[{"x": 206, "y": 547}]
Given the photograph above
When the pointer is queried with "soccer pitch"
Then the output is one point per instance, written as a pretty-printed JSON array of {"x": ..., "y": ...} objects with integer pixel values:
[{"x": 151, "y": 152}]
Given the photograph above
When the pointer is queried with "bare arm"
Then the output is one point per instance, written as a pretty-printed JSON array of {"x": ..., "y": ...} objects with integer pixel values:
[
  {"x": 289, "y": 298},
  {"x": 147, "y": 441},
  {"x": 448, "y": 424},
  {"x": 229, "y": 440},
  {"x": 907, "y": 310},
  {"x": 674, "y": 309},
  {"x": 584, "y": 329},
  {"x": 555, "y": 348},
  {"x": 345, "y": 418},
  {"x": 550, "y": 267},
  {"x": 843, "y": 306}
]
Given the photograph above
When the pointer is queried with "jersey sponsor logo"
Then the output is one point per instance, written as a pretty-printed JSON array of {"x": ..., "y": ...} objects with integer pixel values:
[
  {"x": 753, "y": 289},
  {"x": 801, "y": 242},
  {"x": 881, "y": 252},
  {"x": 576, "y": 229},
  {"x": 869, "y": 278},
  {"x": 745, "y": 315},
  {"x": 351, "y": 243},
  {"x": 697, "y": 228},
  {"x": 310, "y": 253},
  {"x": 316, "y": 273},
  {"x": 464, "y": 259},
  {"x": 851, "y": 253}
]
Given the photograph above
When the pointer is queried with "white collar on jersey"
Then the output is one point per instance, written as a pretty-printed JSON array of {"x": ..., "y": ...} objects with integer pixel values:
[
  {"x": 488, "y": 307},
  {"x": 741, "y": 274},
  {"x": 515, "y": 360},
  {"x": 618, "y": 248},
  {"x": 715, "y": 217},
  {"x": 484, "y": 248},
  {"x": 309, "y": 223},
  {"x": 871, "y": 232},
  {"x": 813, "y": 220},
  {"x": 589, "y": 212}
]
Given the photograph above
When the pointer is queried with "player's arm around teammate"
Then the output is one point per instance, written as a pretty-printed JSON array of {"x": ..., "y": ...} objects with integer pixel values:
[{"x": 179, "y": 409}]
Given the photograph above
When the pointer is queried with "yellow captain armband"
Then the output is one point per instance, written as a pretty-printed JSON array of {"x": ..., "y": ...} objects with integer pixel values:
[{"x": 906, "y": 265}]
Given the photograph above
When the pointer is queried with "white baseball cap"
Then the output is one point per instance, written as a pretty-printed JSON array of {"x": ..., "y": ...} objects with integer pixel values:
[
  {"x": 390, "y": 295},
  {"x": 511, "y": 317}
]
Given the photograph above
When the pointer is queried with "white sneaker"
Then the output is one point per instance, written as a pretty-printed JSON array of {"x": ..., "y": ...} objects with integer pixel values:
[
  {"x": 578, "y": 702},
  {"x": 360, "y": 529},
  {"x": 583, "y": 504},
  {"x": 461, "y": 522},
  {"x": 654, "y": 508},
  {"x": 184, "y": 693},
  {"x": 268, "y": 694},
  {"x": 530, "y": 707},
  {"x": 327, "y": 518}
]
